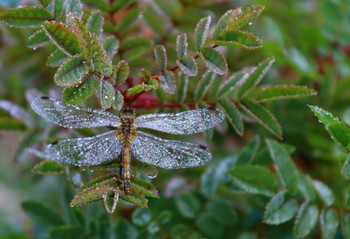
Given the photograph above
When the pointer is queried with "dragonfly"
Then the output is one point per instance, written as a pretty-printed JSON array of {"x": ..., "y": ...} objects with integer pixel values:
[{"x": 126, "y": 140}]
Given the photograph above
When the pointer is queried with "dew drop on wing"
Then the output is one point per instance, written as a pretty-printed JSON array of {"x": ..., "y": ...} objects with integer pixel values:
[{"x": 152, "y": 176}]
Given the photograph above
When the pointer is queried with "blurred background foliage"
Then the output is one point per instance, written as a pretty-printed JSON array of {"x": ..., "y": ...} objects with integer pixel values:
[{"x": 310, "y": 42}]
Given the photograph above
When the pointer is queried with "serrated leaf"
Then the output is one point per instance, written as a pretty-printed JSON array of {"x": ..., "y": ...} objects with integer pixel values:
[
  {"x": 246, "y": 17},
  {"x": 135, "y": 197},
  {"x": 111, "y": 45},
  {"x": 201, "y": 32},
  {"x": 209, "y": 225},
  {"x": 263, "y": 116},
  {"x": 181, "y": 45},
  {"x": 145, "y": 168},
  {"x": 238, "y": 38},
  {"x": 306, "y": 220},
  {"x": 48, "y": 167},
  {"x": 188, "y": 65},
  {"x": 255, "y": 179},
  {"x": 279, "y": 211},
  {"x": 121, "y": 72},
  {"x": 222, "y": 211},
  {"x": 95, "y": 24},
  {"x": 214, "y": 60},
  {"x": 345, "y": 224},
  {"x": 136, "y": 89},
  {"x": 75, "y": 7},
  {"x": 167, "y": 82},
  {"x": 106, "y": 94},
  {"x": 228, "y": 87},
  {"x": 26, "y": 17},
  {"x": 93, "y": 195},
  {"x": 278, "y": 92},
  {"x": 255, "y": 77},
  {"x": 38, "y": 39},
  {"x": 284, "y": 164},
  {"x": 82, "y": 92},
  {"x": 225, "y": 20},
  {"x": 71, "y": 72},
  {"x": 329, "y": 223},
  {"x": 128, "y": 20},
  {"x": 346, "y": 168},
  {"x": 148, "y": 189},
  {"x": 57, "y": 58},
  {"x": 41, "y": 213},
  {"x": 118, "y": 102},
  {"x": 324, "y": 192},
  {"x": 161, "y": 57},
  {"x": 203, "y": 86},
  {"x": 182, "y": 88},
  {"x": 233, "y": 115},
  {"x": 338, "y": 130},
  {"x": 187, "y": 204},
  {"x": 104, "y": 180}
]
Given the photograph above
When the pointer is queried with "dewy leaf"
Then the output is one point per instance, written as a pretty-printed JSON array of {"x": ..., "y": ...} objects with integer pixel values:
[
  {"x": 167, "y": 82},
  {"x": 263, "y": 116},
  {"x": 75, "y": 7},
  {"x": 128, "y": 20},
  {"x": 279, "y": 211},
  {"x": 202, "y": 29},
  {"x": 225, "y": 20},
  {"x": 246, "y": 17},
  {"x": 71, "y": 72},
  {"x": 278, "y": 92},
  {"x": 329, "y": 223},
  {"x": 228, "y": 87},
  {"x": 181, "y": 45},
  {"x": 182, "y": 88},
  {"x": 38, "y": 39},
  {"x": 111, "y": 45},
  {"x": 233, "y": 115},
  {"x": 63, "y": 37},
  {"x": 118, "y": 101},
  {"x": 238, "y": 38},
  {"x": 214, "y": 60},
  {"x": 121, "y": 72},
  {"x": 48, "y": 167},
  {"x": 82, "y": 92},
  {"x": 187, "y": 204},
  {"x": 306, "y": 220},
  {"x": 188, "y": 65},
  {"x": 284, "y": 164},
  {"x": 346, "y": 168},
  {"x": 324, "y": 192},
  {"x": 93, "y": 195},
  {"x": 95, "y": 24},
  {"x": 26, "y": 17},
  {"x": 146, "y": 188},
  {"x": 161, "y": 57},
  {"x": 136, "y": 89},
  {"x": 222, "y": 211},
  {"x": 203, "y": 86},
  {"x": 255, "y": 179},
  {"x": 255, "y": 77},
  {"x": 106, "y": 94},
  {"x": 57, "y": 58},
  {"x": 338, "y": 130},
  {"x": 345, "y": 224}
]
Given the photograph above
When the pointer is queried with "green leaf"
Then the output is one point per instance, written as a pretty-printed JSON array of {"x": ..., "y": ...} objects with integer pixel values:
[
  {"x": 278, "y": 210},
  {"x": 145, "y": 187},
  {"x": 225, "y": 20},
  {"x": 306, "y": 220},
  {"x": 38, "y": 39},
  {"x": 71, "y": 72},
  {"x": 203, "y": 86},
  {"x": 58, "y": 7},
  {"x": 106, "y": 94},
  {"x": 111, "y": 45},
  {"x": 124, "y": 229},
  {"x": 214, "y": 60},
  {"x": 12, "y": 124},
  {"x": 329, "y": 223},
  {"x": 63, "y": 37},
  {"x": 263, "y": 116},
  {"x": 121, "y": 72},
  {"x": 346, "y": 168},
  {"x": 246, "y": 17},
  {"x": 167, "y": 82},
  {"x": 324, "y": 192},
  {"x": 223, "y": 212},
  {"x": 82, "y": 92},
  {"x": 121, "y": 4},
  {"x": 181, "y": 45},
  {"x": 188, "y": 65},
  {"x": 338, "y": 130},
  {"x": 118, "y": 101},
  {"x": 95, "y": 24},
  {"x": 201, "y": 32},
  {"x": 26, "y": 17},
  {"x": 278, "y": 92},
  {"x": 136, "y": 89},
  {"x": 306, "y": 187},
  {"x": 67, "y": 232},
  {"x": 128, "y": 20},
  {"x": 41, "y": 213},
  {"x": 345, "y": 224},
  {"x": 187, "y": 204},
  {"x": 229, "y": 86},
  {"x": 285, "y": 166},
  {"x": 165, "y": 216},
  {"x": 57, "y": 58},
  {"x": 255, "y": 77},
  {"x": 92, "y": 195},
  {"x": 249, "y": 151},
  {"x": 145, "y": 168},
  {"x": 141, "y": 217},
  {"x": 182, "y": 88},
  {"x": 255, "y": 179},
  {"x": 161, "y": 57},
  {"x": 233, "y": 115},
  {"x": 44, "y": 3},
  {"x": 48, "y": 167},
  {"x": 101, "y": 4},
  {"x": 209, "y": 225},
  {"x": 74, "y": 7},
  {"x": 238, "y": 38}
]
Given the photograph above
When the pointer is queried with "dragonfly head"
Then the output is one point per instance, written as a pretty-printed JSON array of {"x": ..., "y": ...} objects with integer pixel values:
[{"x": 127, "y": 112}]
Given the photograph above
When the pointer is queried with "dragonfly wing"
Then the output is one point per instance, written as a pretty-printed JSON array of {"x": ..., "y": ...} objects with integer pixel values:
[
  {"x": 187, "y": 122},
  {"x": 169, "y": 154},
  {"x": 71, "y": 116},
  {"x": 100, "y": 149}
]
